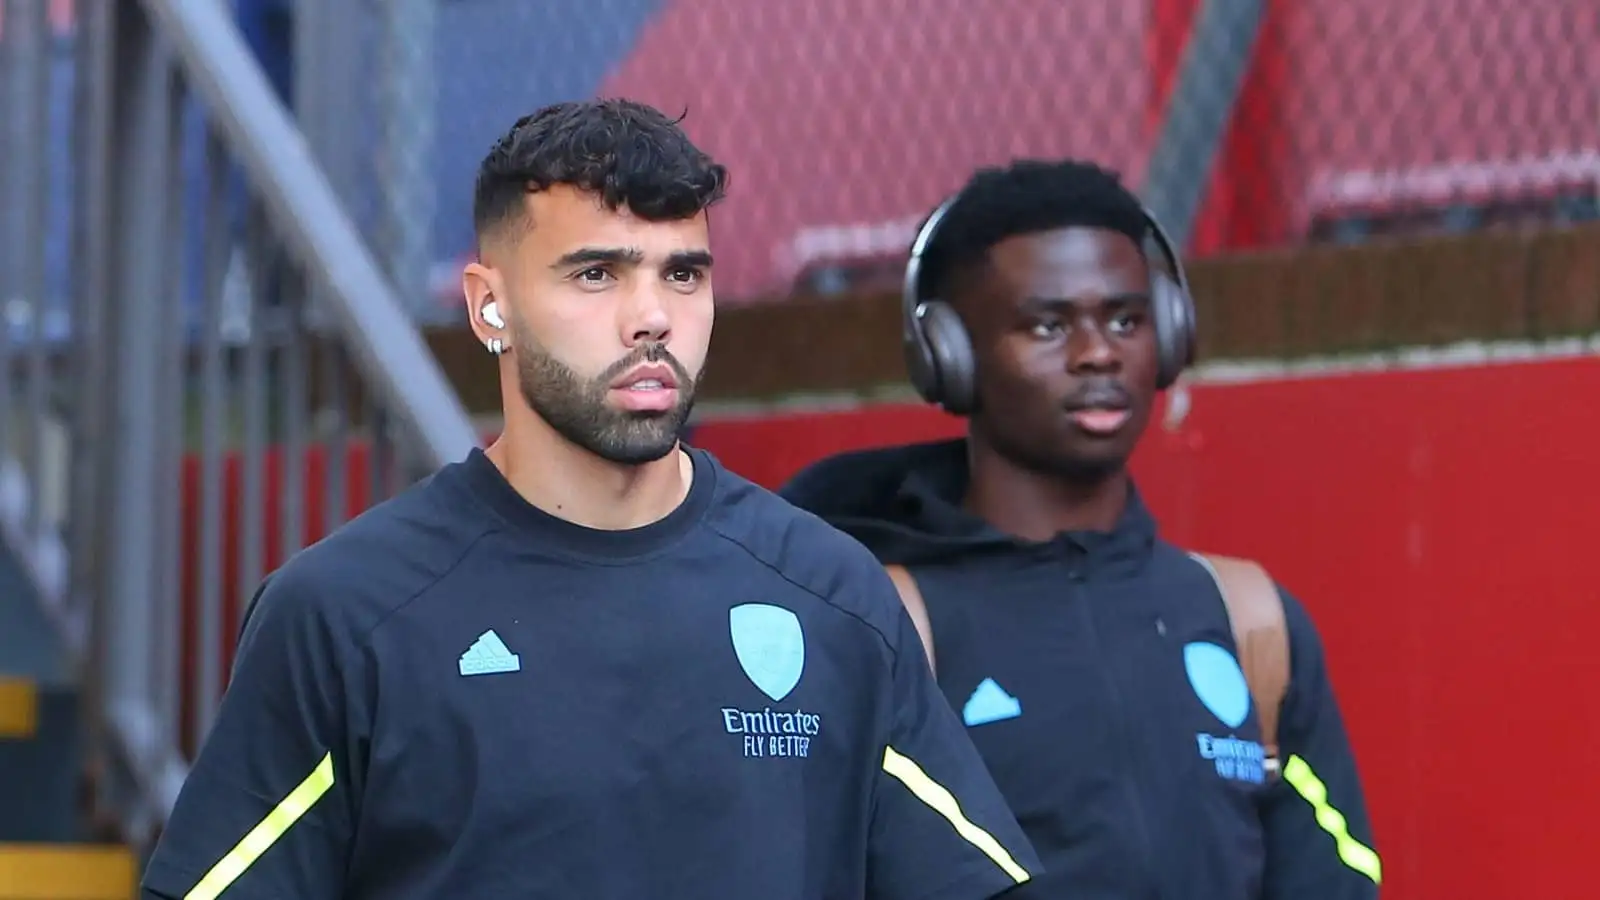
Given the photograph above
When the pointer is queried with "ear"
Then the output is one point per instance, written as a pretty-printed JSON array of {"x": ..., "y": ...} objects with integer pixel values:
[{"x": 482, "y": 286}]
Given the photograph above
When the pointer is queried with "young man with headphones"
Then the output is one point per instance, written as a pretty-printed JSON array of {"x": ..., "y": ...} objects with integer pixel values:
[
  {"x": 1161, "y": 722},
  {"x": 587, "y": 662}
]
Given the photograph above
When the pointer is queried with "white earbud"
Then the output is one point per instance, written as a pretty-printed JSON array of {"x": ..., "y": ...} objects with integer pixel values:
[{"x": 491, "y": 315}]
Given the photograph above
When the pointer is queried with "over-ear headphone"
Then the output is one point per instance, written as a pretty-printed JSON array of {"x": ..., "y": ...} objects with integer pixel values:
[{"x": 938, "y": 349}]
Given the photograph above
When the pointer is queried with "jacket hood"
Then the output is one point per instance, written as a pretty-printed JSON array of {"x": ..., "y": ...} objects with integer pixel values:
[{"x": 904, "y": 504}]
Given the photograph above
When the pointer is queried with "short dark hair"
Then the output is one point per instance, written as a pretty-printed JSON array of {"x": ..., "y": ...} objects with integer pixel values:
[
  {"x": 625, "y": 152},
  {"x": 1026, "y": 197}
]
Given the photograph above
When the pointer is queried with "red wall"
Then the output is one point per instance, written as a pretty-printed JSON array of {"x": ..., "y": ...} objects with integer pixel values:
[{"x": 1435, "y": 523}]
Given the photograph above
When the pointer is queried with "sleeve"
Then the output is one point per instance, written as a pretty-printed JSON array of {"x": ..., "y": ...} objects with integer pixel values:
[
  {"x": 940, "y": 829},
  {"x": 268, "y": 808},
  {"x": 1318, "y": 838}
]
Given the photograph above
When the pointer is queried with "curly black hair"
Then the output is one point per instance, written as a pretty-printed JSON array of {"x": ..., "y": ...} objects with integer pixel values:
[
  {"x": 627, "y": 153},
  {"x": 1026, "y": 197}
]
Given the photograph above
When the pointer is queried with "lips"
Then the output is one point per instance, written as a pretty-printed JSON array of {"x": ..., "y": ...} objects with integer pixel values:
[
  {"x": 1101, "y": 411},
  {"x": 645, "y": 384},
  {"x": 649, "y": 388},
  {"x": 650, "y": 377},
  {"x": 1101, "y": 422}
]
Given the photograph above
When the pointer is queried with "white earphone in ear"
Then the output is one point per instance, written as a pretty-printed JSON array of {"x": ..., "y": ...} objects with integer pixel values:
[{"x": 491, "y": 315}]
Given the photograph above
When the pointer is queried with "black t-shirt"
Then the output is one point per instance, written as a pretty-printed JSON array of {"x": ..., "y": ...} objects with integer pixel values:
[{"x": 458, "y": 695}]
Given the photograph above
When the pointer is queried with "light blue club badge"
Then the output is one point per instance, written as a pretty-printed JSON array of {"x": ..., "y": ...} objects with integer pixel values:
[
  {"x": 1218, "y": 682},
  {"x": 770, "y": 645}
]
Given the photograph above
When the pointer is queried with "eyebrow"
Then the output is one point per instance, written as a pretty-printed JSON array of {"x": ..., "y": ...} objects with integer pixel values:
[
  {"x": 690, "y": 259},
  {"x": 1114, "y": 301},
  {"x": 595, "y": 255},
  {"x": 632, "y": 256}
]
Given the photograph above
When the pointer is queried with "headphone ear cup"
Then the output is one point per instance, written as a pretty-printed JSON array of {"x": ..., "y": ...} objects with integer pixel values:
[
  {"x": 950, "y": 348},
  {"x": 1172, "y": 310},
  {"x": 921, "y": 368}
]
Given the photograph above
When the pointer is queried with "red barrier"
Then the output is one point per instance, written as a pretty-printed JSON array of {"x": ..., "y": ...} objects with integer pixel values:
[
  {"x": 1420, "y": 516},
  {"x": 235, "y": 593}
]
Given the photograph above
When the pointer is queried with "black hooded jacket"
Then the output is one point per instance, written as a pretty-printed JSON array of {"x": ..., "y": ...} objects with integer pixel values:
[{"x": 1096, "y": 673}]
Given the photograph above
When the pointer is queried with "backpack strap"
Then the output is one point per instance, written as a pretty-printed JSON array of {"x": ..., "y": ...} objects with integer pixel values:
[
  {"x": 911, "y": 598},
  {"x": 1255, "y": 610}
]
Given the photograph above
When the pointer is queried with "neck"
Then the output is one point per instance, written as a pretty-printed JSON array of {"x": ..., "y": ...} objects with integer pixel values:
[
  {"x": 571, "y": 483},
  {"x": 1036, "y": 506}
]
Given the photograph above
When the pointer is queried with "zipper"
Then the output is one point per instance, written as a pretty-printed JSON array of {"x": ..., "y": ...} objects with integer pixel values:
[{"x": 1130, "y": 781}]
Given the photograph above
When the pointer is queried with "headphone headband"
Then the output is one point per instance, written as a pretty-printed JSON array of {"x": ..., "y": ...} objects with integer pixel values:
[
  {"x": 939, "y": 354},
  {"x": 1164, "y": 243},
  {"x": 912, "y": 292}
]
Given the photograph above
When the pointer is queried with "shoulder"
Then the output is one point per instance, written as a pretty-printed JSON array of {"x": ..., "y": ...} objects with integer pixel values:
[
  {"x": 348, "y": 582},
  {"x": 1305, "y": 643},
  {"x": 865, "y": 479},
  {"x": 1180, "y": 567},
  {"x": 806, "y": 551},
  {"x": 1188, "y": 582},
  {"x": 857, "y": 467}
]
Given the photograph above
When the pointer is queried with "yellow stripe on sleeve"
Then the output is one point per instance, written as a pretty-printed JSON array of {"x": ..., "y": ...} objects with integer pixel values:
[
  {"x": 1352, "y": 852},
  {"x": 945, "y": 804},
  {"x": 266, "y": 833}
]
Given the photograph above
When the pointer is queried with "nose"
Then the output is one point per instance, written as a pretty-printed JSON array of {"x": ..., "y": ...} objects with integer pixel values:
[
  {"x": 646, "y": 318},
  {"x": 1090, "y": 350}
]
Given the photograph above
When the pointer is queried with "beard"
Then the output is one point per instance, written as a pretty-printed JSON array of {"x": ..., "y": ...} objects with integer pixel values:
[{"x": 576, "y": 406}]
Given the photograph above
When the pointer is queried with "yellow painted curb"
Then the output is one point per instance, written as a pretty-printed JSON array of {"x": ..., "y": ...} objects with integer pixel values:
[
  {"x": 19, "y": 709},
  {"x": 66, "y": 872}
]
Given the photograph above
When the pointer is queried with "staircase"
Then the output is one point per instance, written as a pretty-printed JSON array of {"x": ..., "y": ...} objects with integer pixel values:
[
  {"x": 43, "y": 841},
  {"x": 202, "y": 369},
  {"x": 51, "y": 871}
]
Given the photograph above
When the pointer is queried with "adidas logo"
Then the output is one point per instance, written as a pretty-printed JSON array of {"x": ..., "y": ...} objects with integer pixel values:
[
  {"x": 990, "y": 703},
  {"x": 489, "y": 655}
]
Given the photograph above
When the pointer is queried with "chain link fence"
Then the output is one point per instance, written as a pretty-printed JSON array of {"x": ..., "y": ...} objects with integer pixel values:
[
  {"x": 1246, "y": 123},
  {"x": 360, "y": 78},
  {"x": 1373, "y": 117},
  {"x": 845, "y": 120}
]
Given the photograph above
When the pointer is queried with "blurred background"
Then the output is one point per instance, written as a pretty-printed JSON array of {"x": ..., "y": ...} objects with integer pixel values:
[{"x": 230, "y": 234}]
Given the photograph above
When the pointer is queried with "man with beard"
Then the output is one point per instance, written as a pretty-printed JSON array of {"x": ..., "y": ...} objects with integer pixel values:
[
  {"x": 1094, "y": 664},
  {"x": 588, "y": 661}
]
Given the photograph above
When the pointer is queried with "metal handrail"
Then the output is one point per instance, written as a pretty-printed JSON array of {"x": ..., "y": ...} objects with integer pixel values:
[
  {"x": 223, "y": 341},
  {"x": 390, "y": 350}
]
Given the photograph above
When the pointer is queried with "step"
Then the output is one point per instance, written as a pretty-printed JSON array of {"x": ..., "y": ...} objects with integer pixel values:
[
  {"x": 41, "y": 745},
  {"x": 29, "y": 644},
  {"x": 67, "y": 872},
  {"x": 41, "y": 762},
  {"x": 19, "y": 708}
]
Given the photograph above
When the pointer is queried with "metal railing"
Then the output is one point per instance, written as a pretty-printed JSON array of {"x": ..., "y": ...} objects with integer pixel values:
[{"x": 204, "y": 366}]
